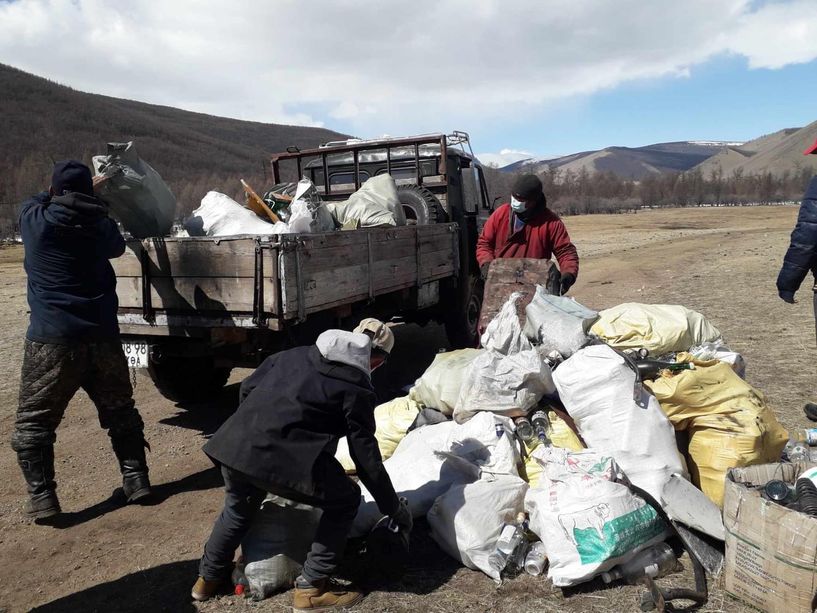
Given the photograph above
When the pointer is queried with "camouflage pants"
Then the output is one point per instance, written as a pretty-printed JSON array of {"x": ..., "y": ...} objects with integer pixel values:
[{"x": 52, "y": 374}]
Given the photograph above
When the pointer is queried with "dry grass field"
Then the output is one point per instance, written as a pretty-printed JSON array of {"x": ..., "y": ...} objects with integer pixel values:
[{"x": 104, "y": 557}]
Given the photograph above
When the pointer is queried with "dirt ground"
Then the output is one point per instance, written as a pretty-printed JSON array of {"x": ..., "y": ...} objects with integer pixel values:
[{"x": 105, "y": 557}]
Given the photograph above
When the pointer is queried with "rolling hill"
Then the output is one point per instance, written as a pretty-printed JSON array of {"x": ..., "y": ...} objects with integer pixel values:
[
  {"x": 777, "y": 153},
  {"x": 42, "y": 121},
  {"x": 630, "y": 162}
]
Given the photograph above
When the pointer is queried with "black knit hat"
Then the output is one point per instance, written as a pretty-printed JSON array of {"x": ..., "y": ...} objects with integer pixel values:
[
  {"x": 72, "y": 176},
  {"x": 527, "y": 187}
]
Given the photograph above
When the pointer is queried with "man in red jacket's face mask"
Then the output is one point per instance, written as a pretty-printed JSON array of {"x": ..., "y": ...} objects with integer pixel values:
[{"x": 526, "y": 228}]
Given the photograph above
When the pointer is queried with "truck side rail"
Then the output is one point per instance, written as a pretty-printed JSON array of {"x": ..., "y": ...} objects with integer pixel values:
[{"x": 175, "y": 285}]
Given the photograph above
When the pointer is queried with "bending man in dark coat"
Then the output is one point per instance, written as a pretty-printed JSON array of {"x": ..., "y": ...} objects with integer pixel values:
[
  {"x": 73, "y": 337},
  {"x": 801, "y": 256},
  {"x": 283, "y": 438}
]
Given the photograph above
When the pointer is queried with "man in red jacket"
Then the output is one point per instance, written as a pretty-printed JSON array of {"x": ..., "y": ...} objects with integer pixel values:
[{"x": 526, "y": 228}]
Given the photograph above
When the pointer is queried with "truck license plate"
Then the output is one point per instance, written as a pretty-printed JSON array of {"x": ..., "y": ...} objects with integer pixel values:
[{"x": 136, "y": 352}]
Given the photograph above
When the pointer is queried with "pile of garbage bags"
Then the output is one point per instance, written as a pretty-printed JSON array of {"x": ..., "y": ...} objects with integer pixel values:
[
  {"x": 556, "y": 444},
  {"x": 374, "y": 205},
  {"x": 145, "y": 206}
]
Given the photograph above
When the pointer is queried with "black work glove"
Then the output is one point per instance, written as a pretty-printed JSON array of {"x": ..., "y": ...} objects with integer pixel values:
[
  {"x": 483, "y": 270},
  {"x": 568, "y": 279},
  {"x": 402, "y": 517},
  {"x": 786, "y": 296}
]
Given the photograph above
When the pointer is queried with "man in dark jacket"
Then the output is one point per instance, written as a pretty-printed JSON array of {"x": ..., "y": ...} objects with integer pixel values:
[
  {"x": 73, "y": 336},
  {"x": 283, "y": 438},
  {"x": 526, "y": 228},
  {"x": 801, "y": 256}
]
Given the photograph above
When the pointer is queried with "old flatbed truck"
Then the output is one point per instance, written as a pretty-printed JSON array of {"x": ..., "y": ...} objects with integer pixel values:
[{"x": 191, "y": 309}]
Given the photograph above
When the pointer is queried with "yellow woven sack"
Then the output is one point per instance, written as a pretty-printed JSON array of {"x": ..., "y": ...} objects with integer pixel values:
[
  {"x": 660, "y": 328},
  {"x": 561, "y": 436},
  {"x": 728, "y": 421},
  {"x": 439, "y": 386},
  {"x": 393, "y": 419}
]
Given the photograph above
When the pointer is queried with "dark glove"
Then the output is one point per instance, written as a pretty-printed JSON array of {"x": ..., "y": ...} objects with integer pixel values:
[
  {"x": 402, "y": 517},
  {"x": 483, "y": 270},
  {"x": 786, "y": 296},
  {"x": 568, "y": 279}
]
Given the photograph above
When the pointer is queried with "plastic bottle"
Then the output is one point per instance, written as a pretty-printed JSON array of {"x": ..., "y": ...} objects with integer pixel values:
[
  {"x": 554, "y": 358},
  {"x": 651, "y": 369},
  {"x": 524, "y": 428},
  {"x": 807, "y": 436},
  {"x": 536, "y": 558},
  {"x": 510, "y": 537},
  {"x": 654, "y": 561},
  {"x": 541, "y": 426},
  {"x": 239, "y": 579},
  {"x": 795, "y": 451}
]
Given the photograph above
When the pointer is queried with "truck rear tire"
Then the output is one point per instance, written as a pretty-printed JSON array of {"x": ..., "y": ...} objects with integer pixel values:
[
  {"x": 183, "y": 379},
  {"x": 462, "y": 325},
  {"x": 420, "y": 205}
]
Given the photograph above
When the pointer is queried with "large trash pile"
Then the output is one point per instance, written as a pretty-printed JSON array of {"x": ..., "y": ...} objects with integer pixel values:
[
  {"x": 557, "y": 445},
  {"x": 145, "y": 206},
  {"x": 298, "y": 208}
]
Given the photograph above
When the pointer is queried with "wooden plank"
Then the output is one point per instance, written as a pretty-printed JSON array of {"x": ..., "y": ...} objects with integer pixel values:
[
  {"x": 197, "y": 294},
  {"x": 436, "y": 264},
  {"x": 190, "y": 258},
  {"x": 334, "y": 267},
  {"x": 506, "y": 276},
  {"x": 129, "y": 292},
  {"x": 127, "y": 265},
  {"x": 347, "y": 284},
  {"x": 350, "y": 283}
]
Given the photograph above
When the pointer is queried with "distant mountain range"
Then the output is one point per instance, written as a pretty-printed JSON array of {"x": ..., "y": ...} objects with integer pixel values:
[
  {"x": 630, "y": 162},
  {"x": 778, "y": 152}
]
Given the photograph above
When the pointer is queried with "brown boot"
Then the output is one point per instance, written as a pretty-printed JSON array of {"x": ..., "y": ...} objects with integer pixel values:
[
  {"x": 326, "y": 595},
  {"x": 205, "y": 590}
]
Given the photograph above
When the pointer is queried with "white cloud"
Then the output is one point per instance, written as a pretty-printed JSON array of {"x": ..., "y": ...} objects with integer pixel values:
[
  {"x": 504, "y": 157},
  {"x": 401, "y": 67}
]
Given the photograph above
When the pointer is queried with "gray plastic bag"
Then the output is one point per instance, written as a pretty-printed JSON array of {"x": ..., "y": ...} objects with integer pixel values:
[
  {"x": 557, "y": 322},
  {"x": 276, "y": 545},
  {"x": 137, "y": 195}
]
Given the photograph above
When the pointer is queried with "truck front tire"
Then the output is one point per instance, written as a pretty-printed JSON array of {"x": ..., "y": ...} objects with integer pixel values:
[
  {"x": 462, "y": 324},
  {"x": 187, "y": 379}
]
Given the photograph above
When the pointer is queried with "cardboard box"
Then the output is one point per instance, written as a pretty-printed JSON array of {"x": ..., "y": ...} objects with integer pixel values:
[{"x": 771, "y": 551}]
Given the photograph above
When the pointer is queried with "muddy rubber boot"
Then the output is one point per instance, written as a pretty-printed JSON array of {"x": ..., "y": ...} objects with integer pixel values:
[
  {"x": 38, "y": 469},
  {"x": 130, "y": 451},
  {"x": 324, "y": 595}
]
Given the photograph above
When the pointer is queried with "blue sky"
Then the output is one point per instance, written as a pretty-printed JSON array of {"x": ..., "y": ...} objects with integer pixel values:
[
  {"x": 722, "y": 99},
  {"x": 542, "y": 78}
]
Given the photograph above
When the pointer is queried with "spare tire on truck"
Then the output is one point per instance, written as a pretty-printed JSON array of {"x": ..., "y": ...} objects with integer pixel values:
[
  {"x": 462, "y": 319},
  {"x": 420, "y": 205}
]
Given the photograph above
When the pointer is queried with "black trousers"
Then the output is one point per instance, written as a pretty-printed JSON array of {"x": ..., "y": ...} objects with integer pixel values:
[
  {"x": 52, "y": 374},
  {"x": 242, "y": 499}
]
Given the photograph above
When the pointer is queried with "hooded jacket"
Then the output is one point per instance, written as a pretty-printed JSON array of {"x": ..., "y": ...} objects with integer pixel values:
[
  {"x": 542, "y": 236},
  {"x": 68, "y": 241},
  {"x": 294, "y": 408},
  {"x": 801, "y": 256}
]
